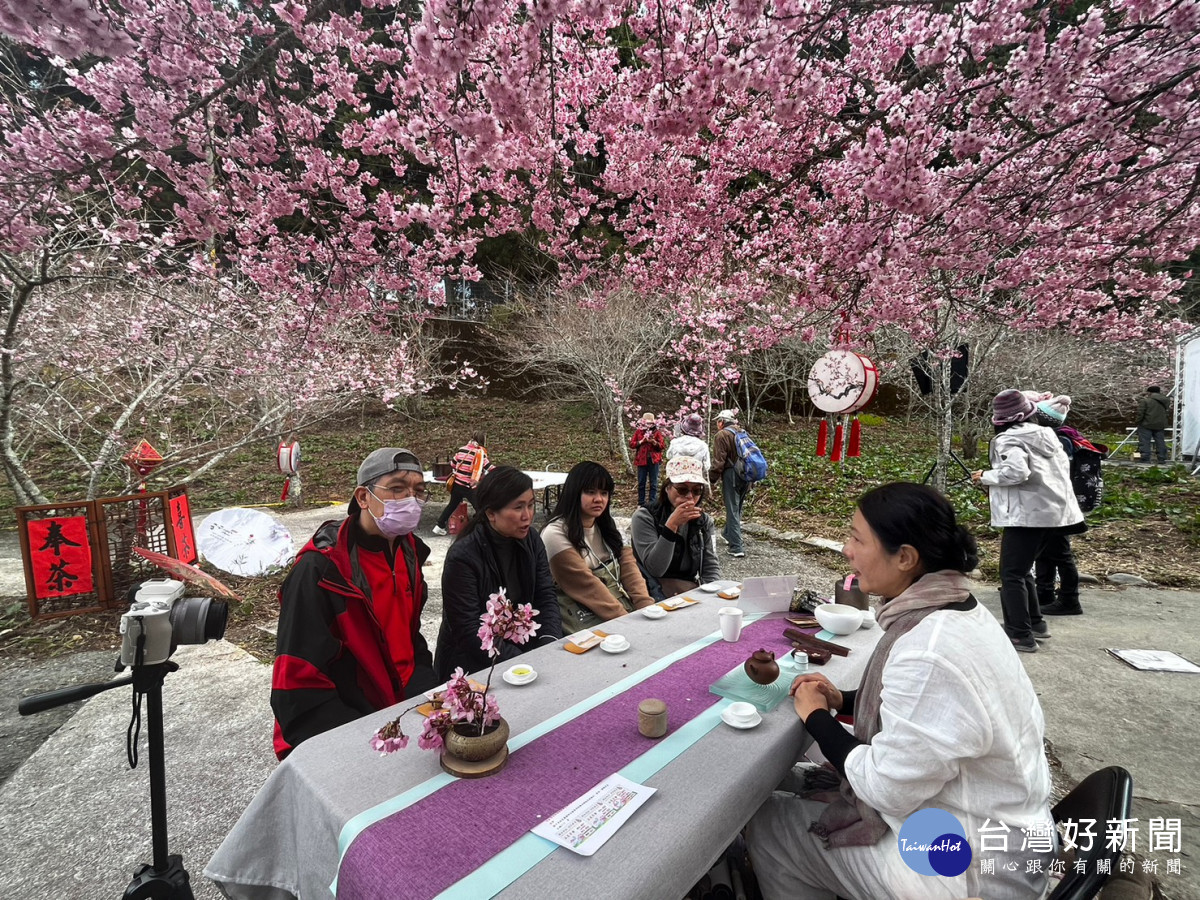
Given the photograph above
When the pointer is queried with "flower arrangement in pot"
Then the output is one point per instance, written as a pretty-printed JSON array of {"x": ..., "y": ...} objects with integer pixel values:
[{"x": 467, "y": 727}]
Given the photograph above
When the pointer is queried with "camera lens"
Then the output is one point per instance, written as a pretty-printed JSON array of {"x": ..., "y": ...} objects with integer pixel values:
[{"x": 195, "y": 620}]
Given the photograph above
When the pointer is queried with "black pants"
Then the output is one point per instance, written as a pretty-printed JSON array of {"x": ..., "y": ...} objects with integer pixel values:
[
  {"x": 458, "y": 493},
  {"x": 1056, "y": 557},
  {"x": 1019, "y": 547}
]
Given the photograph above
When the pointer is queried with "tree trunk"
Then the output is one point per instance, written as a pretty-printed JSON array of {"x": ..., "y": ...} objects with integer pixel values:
[
  {"x": 944, "y": 419},
  {"x": 23, "y": 486},
  {"x": 970, "y": 440}
]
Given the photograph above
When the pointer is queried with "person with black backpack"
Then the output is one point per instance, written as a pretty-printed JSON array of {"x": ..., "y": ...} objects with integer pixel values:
[
  {"x": 1087, "y": 481},
  {"x": 737, "y": 464},
  {"x": 1032, "y": 500},
  {"x": 1056, "y": 558}
]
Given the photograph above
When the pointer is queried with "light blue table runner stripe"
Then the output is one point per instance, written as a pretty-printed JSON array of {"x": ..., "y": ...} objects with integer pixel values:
[{"x": 355, "y": 826}]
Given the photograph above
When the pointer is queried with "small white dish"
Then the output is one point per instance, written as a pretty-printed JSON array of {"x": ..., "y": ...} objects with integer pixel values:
[
  {"x": 868, "y": 618},
  {"x": 713, "y": 586},
  {"x": 511, "y": 677},
  {"x": 738, "y": 722},
  {"x": 614, "y": 648},
  {"x": 653, "y": 612}
]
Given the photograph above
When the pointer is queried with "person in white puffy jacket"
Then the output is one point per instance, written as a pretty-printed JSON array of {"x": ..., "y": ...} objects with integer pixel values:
[
  {"x": 1031, "y": 497},
  {"x": 689, "y": 441}
]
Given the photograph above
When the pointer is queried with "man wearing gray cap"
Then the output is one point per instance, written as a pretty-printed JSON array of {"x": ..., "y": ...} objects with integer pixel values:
[{"x": 349, "y": 639}]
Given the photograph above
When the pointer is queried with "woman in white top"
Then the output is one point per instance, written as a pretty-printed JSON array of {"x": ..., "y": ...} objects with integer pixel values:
[
  {"x": 945, "y": 719},
  {"x": 1030, "y": 492},
  {"x": 596, "y": 575}
]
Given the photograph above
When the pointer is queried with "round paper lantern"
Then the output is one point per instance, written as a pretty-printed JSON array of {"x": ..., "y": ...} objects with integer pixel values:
[
  {"x": 842, "y": 382},
  {"x": 288, "y": 458}
]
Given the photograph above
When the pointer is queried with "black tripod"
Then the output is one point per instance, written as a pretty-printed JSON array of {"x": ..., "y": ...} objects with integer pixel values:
[
  {"x": 966, "y": 476},
  {"x": 165, "y": 878}
]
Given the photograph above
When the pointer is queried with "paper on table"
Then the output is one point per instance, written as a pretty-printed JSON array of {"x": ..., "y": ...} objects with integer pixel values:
[
  {"x": 1156, "y": 661},
  {"x": 585, "y": 640},
  {"x": 591, "y": 820}
]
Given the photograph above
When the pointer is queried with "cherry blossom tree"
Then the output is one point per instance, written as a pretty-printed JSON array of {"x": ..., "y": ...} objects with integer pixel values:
[{"x": 1017, "y": 161}]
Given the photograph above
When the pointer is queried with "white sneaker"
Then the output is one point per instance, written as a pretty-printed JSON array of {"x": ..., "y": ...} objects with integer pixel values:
[
  {"x": 437, "y": 530},
  {"x": 738, "y": 554}
]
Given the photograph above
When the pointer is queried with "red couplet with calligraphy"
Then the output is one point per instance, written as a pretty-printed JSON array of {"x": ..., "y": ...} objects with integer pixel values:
[
  {"x": 181, "y": 525},
  {"x": 61, "y": 556}
]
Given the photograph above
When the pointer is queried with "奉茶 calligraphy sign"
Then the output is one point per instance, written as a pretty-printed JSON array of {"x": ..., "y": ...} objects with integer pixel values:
[
  {"x": 60, "y": 556},
  {"x": 180, "y": 521}
]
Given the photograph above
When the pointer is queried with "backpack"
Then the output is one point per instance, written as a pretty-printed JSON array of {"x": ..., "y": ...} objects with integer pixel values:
[
  {"x": 1087, "y": 478},
  {"x": 751, "y": 465}
]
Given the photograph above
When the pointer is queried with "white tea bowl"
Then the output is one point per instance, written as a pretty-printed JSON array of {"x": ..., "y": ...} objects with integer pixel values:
[{"x": 838, "y": 617}]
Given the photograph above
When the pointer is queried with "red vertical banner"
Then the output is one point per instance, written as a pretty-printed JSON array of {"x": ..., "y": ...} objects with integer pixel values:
[
  {"x": 61, "y": 556},
  {"x": 180, "y": 514}
]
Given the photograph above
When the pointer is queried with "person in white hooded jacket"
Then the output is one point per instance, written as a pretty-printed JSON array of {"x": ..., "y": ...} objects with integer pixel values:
[
  {"x": 689, "y": 441},
  {"x": 1031, "y": 497}
]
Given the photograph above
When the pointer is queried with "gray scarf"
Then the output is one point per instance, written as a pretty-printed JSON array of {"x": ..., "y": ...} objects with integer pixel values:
[{"x": 848, "y": 821}]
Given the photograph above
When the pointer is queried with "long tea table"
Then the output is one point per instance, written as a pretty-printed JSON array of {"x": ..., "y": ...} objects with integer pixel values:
[{"x": 335, "y": 816}]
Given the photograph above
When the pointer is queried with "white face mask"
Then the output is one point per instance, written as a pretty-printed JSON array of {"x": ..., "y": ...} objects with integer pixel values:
[{"x": 400, "y": 517}]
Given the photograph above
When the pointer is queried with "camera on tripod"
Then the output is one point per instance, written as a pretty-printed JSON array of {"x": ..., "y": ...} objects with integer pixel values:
[{"x": 160, "y": 618}]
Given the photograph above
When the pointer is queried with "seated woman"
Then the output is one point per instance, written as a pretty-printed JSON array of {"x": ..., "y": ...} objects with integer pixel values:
[
  {"x": 597, "y": 577},
  {"x": 498, "y": 548},
  {"x": 945, "y": 717},
  {"x": 673, "y": 540}
]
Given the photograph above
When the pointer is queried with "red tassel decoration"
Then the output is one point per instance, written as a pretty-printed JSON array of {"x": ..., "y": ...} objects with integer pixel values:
[
  {"x": 855, "y": 439},
  {"x": 836, "y": 455},
  {"x": 287, "y": 486},
  {"x": 822, "y": 437}
]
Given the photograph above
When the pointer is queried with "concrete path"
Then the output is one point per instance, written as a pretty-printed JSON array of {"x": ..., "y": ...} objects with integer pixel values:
[{"x": 76, "y": 818}]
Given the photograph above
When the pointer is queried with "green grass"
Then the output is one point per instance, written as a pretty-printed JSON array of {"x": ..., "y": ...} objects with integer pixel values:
[{"x": 803, "y": 492}]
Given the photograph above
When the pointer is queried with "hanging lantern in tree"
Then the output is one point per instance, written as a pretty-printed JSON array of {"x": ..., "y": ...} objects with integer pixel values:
[
  {"x": 287, "y": 457},
  {"x": 143, "y": 459},
  {"x": 841, "y": 383}
]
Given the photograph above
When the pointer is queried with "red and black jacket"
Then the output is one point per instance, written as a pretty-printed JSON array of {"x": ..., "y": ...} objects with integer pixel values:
[{"x": 332, "y": 659}]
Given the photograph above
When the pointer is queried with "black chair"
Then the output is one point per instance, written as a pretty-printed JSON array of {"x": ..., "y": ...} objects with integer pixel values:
[{"x": 1104, "y": 796}]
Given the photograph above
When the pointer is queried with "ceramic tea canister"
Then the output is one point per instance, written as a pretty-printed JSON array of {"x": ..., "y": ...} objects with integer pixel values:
[{"x": 652, "y": 718}]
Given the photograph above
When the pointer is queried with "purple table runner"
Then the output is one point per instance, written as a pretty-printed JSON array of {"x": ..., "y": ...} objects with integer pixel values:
[{"x": 428, "y": 846}]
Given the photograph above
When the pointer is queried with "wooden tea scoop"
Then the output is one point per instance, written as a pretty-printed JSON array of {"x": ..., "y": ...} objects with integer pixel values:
[{"x": 800, "y": 637}]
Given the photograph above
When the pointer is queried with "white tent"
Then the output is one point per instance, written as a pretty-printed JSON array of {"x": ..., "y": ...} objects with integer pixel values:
[{"x": 1187, "y": 399}]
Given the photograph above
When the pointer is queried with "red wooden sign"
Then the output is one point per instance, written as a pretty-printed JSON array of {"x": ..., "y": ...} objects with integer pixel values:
[
  {"x": 61, "y": 556},
  {"x": 181, "y": 526}
]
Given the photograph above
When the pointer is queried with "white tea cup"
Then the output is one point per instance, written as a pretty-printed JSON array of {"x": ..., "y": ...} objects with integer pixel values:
[
  {"x": 614, "y": 642},
  {"x": 742, "y": 712},
  {"x": 730, "y": 618}
]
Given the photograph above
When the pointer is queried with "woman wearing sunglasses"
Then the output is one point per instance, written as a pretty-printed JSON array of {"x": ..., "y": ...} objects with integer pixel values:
[{"x": 673, "y": 540}]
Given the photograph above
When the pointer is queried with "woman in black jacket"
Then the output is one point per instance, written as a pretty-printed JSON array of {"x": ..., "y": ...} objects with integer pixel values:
[{"x": 498, "y": 548}]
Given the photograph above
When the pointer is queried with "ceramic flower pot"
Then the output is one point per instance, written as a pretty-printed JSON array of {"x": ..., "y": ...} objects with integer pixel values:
[
  {"x": 761, "y": 667},
  {"x": 465, "y": 742}
]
